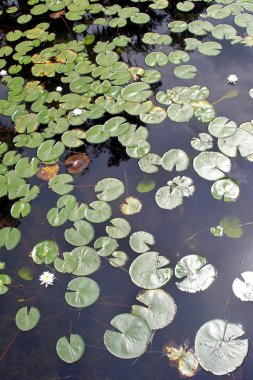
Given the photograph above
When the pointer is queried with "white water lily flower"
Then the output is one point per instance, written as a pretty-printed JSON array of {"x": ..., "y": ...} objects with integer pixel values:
[
  {"x": 77, "y": 112},
  {"x": 232, "y": 79},
  {"x": 47, "y": 278},
  {"x": 58, "y": 88},
  {"x": 3, "y": 73}
]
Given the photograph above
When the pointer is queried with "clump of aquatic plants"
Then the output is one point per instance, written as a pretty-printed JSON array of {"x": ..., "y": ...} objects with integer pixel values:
[{"x": 65, "y": 96}]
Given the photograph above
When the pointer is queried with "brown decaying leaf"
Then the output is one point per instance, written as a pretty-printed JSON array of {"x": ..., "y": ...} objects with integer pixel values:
[
  {"x": 48, "y": 172},
  {"x": 77, "y": 162},
  {"x": 183, "y": 358},
  {"x": 57, "y": 14}
]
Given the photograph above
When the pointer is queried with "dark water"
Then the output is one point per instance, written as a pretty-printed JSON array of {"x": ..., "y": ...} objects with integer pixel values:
[{"x": 32, "y": 355}]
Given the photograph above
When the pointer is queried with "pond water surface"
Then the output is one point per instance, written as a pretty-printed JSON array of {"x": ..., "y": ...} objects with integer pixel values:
[{"x": 179, "y": 232}]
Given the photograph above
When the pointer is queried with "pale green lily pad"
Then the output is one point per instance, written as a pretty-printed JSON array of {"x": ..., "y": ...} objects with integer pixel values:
[
  {"x": 139, "y": 241},
  {"x": 118, "y": 259},
  {"x": 156, "y": 59},
  {"x": 231, "y": 226},
  {"x": 241, "y": 141},
  {"x": 87, "y": 259},
  {"x": 98, "y": 212},
  {"x": 109, "y": 189},
  {"x": 70, "y": 351},
  {"x": 82, "y": 292},
  {"x": 136, "y": 92},
  {"x": 150, "y": 271},
  {"x": 218, "y": 348},
  {"x": 159, "y": 310},
  {"x": 132, "y": 339},
  {"x": 244, "y": 289},
  {"x": 145, "y": 186},
  {"x": 211, "y": 165},
  {"x": 180, "y": 112},
  {"x": 226, "y": 188},
  {"x": 175, "y": 158},
  {"x": 120, "y": 228},
  {"x": 81, "y": 234},
  {"x": 105, "y": 245},
  {"x": 27, "y": 320},
  {"x": 50, "y": 151},
  {"x": 203, "y": 142},
  {"x": 196, "y": 274},
  {"x": 210, "y": 48},
  {"x": 61, "y": 184},
  {"x": 221, "y": 127},
  {"x": 185, "y": 71},
  {"x": 148, "y": 163}
]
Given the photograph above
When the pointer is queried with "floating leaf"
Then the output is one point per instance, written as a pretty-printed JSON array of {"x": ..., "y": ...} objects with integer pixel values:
[
  {"x": 244, "y": 289},
  {"x": 184, "y": 358},
  {"x": 109, "y": 189},
  {"x": 136, "y": 92},
  {"x": 70, "y": 351},
  {"x": 149, "y": 272},
  {"x": 27, "y": 320},
  {"x": 105, "y": 245},
  {"x": 175, "y": 158},
  {"x": 50, "y": 151},
  {"x": 119, "y": 259},
  {"x": 77, "y": 162},
  {"x": 47, "y": 172},
  {"x": 120, "y": 228},
  {"x": 133, "y": 338},
  {"x": 45, "y": 251},
  {"x": 25, "y": 273},
  {"x": 226, "y": 188},
  {"x": 145, "y": 186},
  {"x": 61, "y": 184},
  {"x": 198, "y": 274},
  {"x": 203, "y": 142},
  {"x": 82, "y": 234},
  {"x": 4, "y": 280},
  {"x": 231, "y": 226},
  {"x": 139, "y": 241},
  {"x": 211, "y": 165},
  {"x": 221, "y": 127},
  {"x": 132, "y": 206},
  {"x": 87, "y": 260},
  {"x": 218, "y": 348},
  {"x": 9, "y": 237},
  {"x": 82, "y": 292},
  {"x": 159, "y": 309}
]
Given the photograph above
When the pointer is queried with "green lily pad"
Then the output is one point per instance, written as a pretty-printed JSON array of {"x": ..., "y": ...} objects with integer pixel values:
[
  {"x": 132, "y": 339},
  {"x": 109, "y": 189},
  {"x": 45, "y": 251},
  {"x": 88, "y": 261},
  {"x": 105, "y": 245},
  {"x": 82, "y": 292},
  {"x": 120, "y": 228},
  {"x": 4, "y": 280},
  {"x": 159, "y": 310},
  {"x": 70, "y": 351},
  {"x": 81, "y": 234},
  {"x": 136, "y": 92},
  {"x": 61, "y": 184},
  {"x": 139, "y": 241},
  {"x": 9, "y": 237},
  {"x": 150, "y": 271},
  {"x": 195, "y": 273},
  {"x": 211, "y": 165},
  {"x": 175, "y": 158},
  {"x": 27, "y": 320},
  {"x": 226, "y": 188},
  {"x": 219, "y": 339}
]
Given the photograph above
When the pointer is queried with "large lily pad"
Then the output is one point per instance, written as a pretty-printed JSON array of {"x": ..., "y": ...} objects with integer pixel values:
[
  {"x": 211, "y": 165},
  {"x": 196, "y": 273},
  {"x": 159, "y": 309},
  {"x": 132, "y": 339},
  {"x": 218, "y": 348},
  {"x": 150, "y": 271},
  {"x": 82, "y": 292}
]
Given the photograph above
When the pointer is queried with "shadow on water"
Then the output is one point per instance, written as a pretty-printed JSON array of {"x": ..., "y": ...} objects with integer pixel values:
[{"x": 32, "y": 355}]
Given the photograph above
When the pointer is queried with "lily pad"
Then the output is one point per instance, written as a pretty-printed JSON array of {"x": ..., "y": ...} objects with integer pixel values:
[
  {"x": 27, "y": 320},
  {"x": 211, "y": 165},
  {"x": 139, "y": 241},
  {"x": 196, "y": 273},
  {"x": 150, "y": 271},
  {"x": 159, "y": 310},
  {"x": 45, "y": 251},
  {"x": 120, "y": 228},
  {"x": 226, "y": 188},
  {"x": 109, "y": 189},
  {"x": 70, "y": 351},
  {"x": 243, "y": 289},
  {"x": 218, "y": 348},
  {"x": 132, "y": 339},
  {"x": 82, "y": 292}
]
